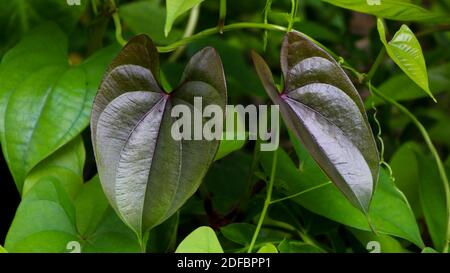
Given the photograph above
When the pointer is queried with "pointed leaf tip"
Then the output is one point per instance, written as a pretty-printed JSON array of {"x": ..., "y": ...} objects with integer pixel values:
[
  {"x": 405, "y": 50},
  {"x": 324, "y": 110},
  {"x": 146, "y": 174}
]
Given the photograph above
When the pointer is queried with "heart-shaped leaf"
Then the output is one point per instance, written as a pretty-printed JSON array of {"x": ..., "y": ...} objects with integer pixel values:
[
  {"x": 322, "y": 107},
  {"x": 147, "y": 174},
  {"x": 405, "y": 50},
  {"x": 44, "y": 101},
  {"x": 48, "y": 221}
]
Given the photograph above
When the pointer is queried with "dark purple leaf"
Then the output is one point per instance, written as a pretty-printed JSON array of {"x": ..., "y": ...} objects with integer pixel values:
[{"x": 324, "y": 110}]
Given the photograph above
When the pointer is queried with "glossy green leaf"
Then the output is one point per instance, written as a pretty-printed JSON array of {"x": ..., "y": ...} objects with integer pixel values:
[
  {"x": 434, "y": 201},
  {"x": 36, "y": 76},
  {"x": 297, "y": 247},
  {"x": 201, "y": 240},
  {"x": 148, "y": 175},
  {"x": 268, "y": 248},
  {"x": 66, "y": 165},
  {"x": 322, "y": 107},
  {"x": 405, "y": 50},
  {"x": 391, "y": 9},
  {"x": 48, "y": 221},
  {"x": 389, "y": 214},
  {"x": 175, "y": 8}
]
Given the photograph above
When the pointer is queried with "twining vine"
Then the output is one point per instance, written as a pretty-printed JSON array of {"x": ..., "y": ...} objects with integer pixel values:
[{"x": 363, "y": 78}]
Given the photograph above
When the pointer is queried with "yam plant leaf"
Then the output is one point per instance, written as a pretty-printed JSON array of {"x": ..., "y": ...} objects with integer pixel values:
[
  {"x": 390, "y": 212},
  {"x": 405, "y": 50},
  {"x": 146, "y": 174},
  {"x": 44, "y": 101},
  {"x": 175, "y": 8},
  {"x": 268, "y": 248},
  {"x": 391, "y": 9},
  {"x": 148, "y": 17},
  {"x": 434, "y": 201},
  {"x": 322, "y": 107},
  {"x": 201, "y": 240},
  {"x": 47, "y": 220},
  {"x": 66, "y": 165}
]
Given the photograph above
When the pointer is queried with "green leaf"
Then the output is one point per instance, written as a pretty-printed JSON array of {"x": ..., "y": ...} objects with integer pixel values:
[
  {"x": 392, "y": 9},
  {"x": 66, "y": 165},
  {"x": 175, "y": 8},
  {"x": 405, "y": 50},
  {"x": 3, "y": 250},
  {"x": 429, "y": 250},
  {"x": 387, "y": 243},
  {"x": 148, "y": 17},
  {"x": 227, "y": 147},
  {"x": 146, "y": 173},
  {"x": 435, "y": 203},
  {"x": 389, "y": 213},
  {"x": 322, "y": 107},
  {"x": 268, "y": 248},
  {"x": 297, "y": 247},
  {"x": 201, "y": 240},
  {"x": 44, "y": 221},
  {"x": 48, "y": 221},
  {"x": 98, "y": 225},
  {"x": 36, "y": 76},
  {"x": 401, "y": 88},
  {"x": 406, "y": 169},
  {"x": 232, "y": 139}
]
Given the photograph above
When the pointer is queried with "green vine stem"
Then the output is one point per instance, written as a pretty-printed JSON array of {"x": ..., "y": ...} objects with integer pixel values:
[
  {"x": 376, "y": 64},
  {"x": 190, "y": 28},
  {"x": 266, "y": 202},
  {"x": 293, "y": 13},
  {"x": 378, "y": 135},
  {"x": 214, "y": 30},
  {"x": 300, "y": 193},
  {"x": 361, "y": 77},
  {"x": 222, "y": 15},
  {"x": 267, "y": 9},
  {"x": 117, "y": 24}
]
